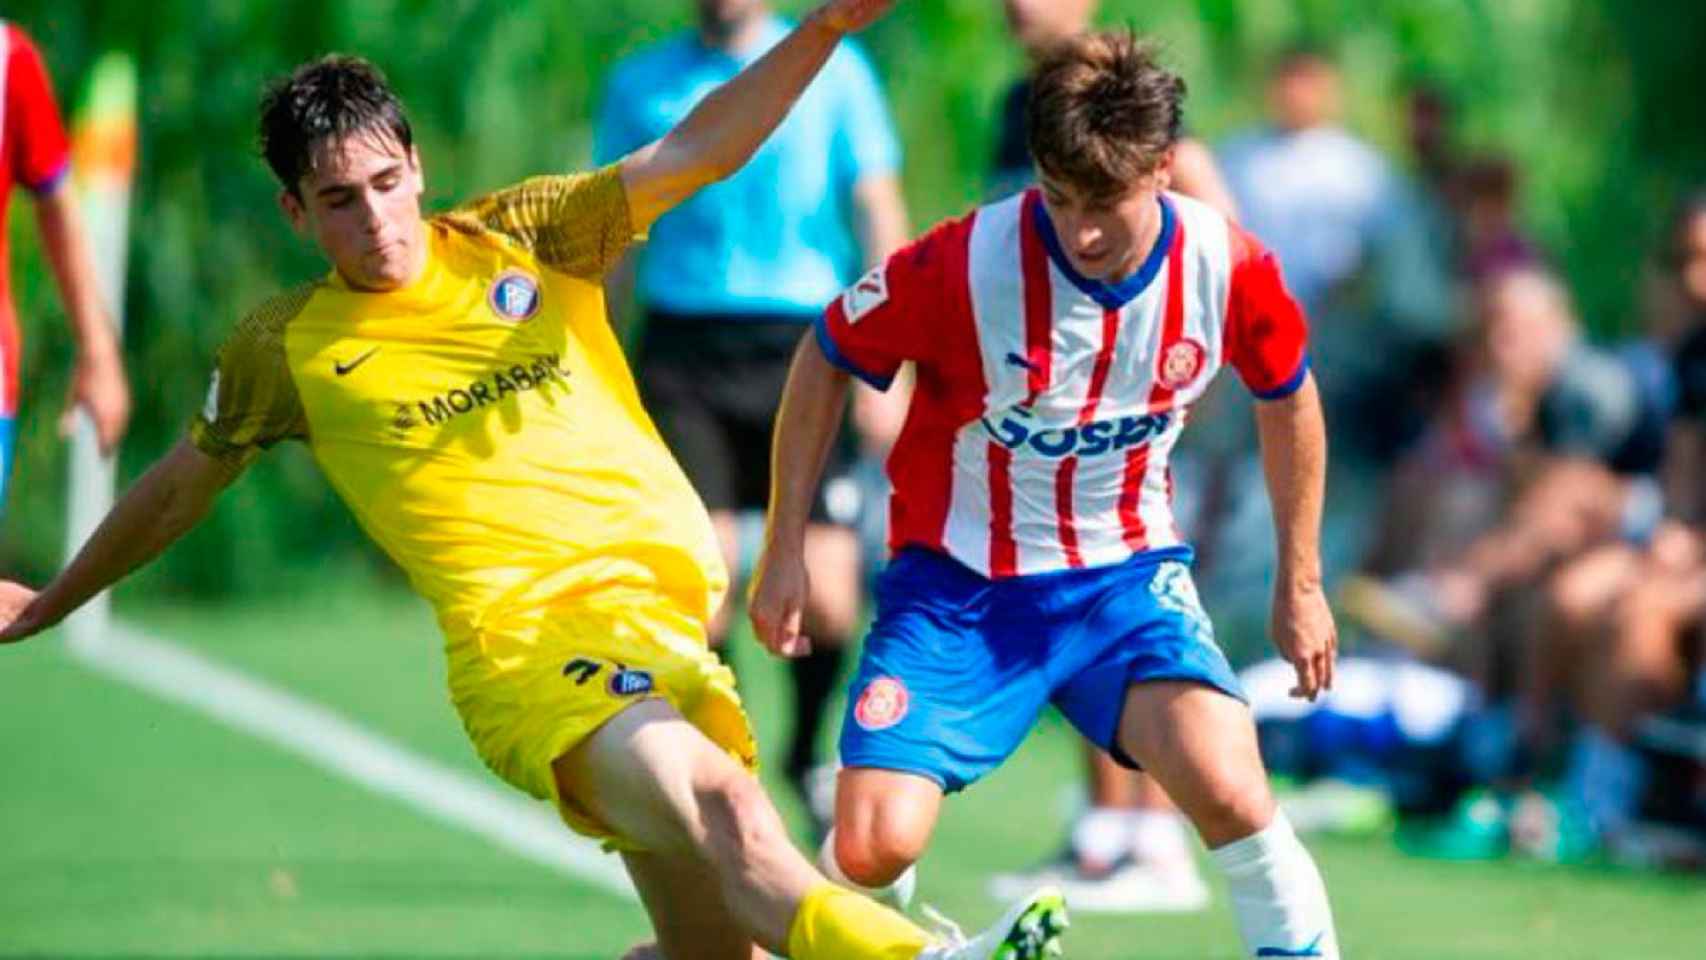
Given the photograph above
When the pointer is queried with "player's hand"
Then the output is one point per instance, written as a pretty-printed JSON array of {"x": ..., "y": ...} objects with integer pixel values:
[
  {"x": 1304, "y": 632},
  {"x": 851, "y": 16},
  {"x": 776, "y": 601},
  {"x": 98, "y": 385},
  {"x": 15, "y": 620}
]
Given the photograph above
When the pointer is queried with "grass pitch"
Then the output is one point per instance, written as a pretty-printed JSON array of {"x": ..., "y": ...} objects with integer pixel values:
[{"x": 130, "y": 827}]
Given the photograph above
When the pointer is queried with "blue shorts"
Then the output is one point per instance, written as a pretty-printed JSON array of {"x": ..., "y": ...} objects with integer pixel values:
[
  {"x": 8, "y": 443},
  {"x": 958, "y": 667}
]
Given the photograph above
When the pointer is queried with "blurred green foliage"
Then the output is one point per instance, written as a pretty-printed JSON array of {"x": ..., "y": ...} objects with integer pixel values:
[{"x": 1595, "y": 99}]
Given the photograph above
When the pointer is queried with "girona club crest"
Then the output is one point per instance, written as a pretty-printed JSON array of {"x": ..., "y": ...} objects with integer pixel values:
[
  {"x": 1181, "y": 363},
  {"x": 883, "y": 704}
]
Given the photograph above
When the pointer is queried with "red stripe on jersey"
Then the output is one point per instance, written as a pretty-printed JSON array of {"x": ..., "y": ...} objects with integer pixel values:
[
  {"x": 948, "y": 393},
  {"x": 1003, "y": 551},
  {"x": 1039, "y": 300},
  {"x": 1063, "y": 511},
  {"x": 1136, "y": 535},
  {"x": 1104, "y": 363},
  {"x": 1063, "y": 478},
  {"x": 1173, "y": 323}
]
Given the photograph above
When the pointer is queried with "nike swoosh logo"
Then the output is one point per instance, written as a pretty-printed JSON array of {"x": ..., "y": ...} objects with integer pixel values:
[
  {"x": 343, "y": 369},
  {"x": 1014, "y": 360},
  {"x": 1310, "y": 949}
]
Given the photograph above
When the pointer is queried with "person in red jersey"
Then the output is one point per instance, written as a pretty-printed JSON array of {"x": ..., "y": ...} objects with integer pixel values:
[
  {"x": 34, "y": 153},
  {"x": 1060, "y": 338}
]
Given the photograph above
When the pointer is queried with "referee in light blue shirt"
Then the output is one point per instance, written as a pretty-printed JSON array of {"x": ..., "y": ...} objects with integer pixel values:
[{"x": 730, "y": 281}]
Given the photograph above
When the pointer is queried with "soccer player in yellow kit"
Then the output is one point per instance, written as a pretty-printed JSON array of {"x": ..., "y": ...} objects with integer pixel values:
[{"x": 458, "y": 383}]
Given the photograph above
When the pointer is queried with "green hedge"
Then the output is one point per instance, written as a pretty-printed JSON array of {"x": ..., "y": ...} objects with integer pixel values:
[{"x": 1595, "y": 99}]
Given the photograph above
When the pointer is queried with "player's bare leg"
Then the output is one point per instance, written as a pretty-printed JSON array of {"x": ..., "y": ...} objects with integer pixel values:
[
  {"x": 685, "y": 903},
  {"x": 655, "y": 780},
  {"x": 1200, "y": 745}
]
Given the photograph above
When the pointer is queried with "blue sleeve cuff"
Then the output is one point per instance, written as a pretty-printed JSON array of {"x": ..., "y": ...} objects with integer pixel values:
[
  {"x": 1290, "y": 386},
  {"x": 51, "y": 182},
  {"x": 833, "y": 354}
]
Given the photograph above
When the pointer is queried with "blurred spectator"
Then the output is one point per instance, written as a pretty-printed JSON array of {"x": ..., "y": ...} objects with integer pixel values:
[
  {"x": 36, "y": 155},
  {"x": 732, "y": 279},
  {"x": 1486, "y": 189},
  {"x": 1356, "y": 249},
  {"x": 1129, "y": 850}
]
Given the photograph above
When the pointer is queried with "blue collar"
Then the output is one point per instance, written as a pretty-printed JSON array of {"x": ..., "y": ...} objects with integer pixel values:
[{"x": 1112, "y": 296}]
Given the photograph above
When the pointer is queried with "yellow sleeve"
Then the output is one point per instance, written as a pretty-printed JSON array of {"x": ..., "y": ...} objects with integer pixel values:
[
  {"x": 577, "y": 224},
  {"x": 252, "y": 402}
]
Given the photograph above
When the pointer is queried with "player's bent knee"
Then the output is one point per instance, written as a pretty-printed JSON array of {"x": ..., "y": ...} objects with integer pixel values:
[
  {"x": 876, "y": 854},
  {"x": 1234, "y": 808}
]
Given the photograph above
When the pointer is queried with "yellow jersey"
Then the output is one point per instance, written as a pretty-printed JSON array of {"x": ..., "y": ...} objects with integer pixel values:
[{"x": 481, "y": 423}]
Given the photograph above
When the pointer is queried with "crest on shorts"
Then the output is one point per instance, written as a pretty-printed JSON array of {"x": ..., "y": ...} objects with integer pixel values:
[
  {"x": 1181, "y": 362},
  {"x": 1174, "y": 590},
  {"x": 883, "y": 704},
  {"x": 871, "y": 292},
  {"x": 630, "y": 683},
  {"x": 514, "y": 296}
]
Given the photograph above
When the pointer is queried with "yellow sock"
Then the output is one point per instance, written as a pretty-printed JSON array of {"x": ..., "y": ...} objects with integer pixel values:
[{"x": 837, "y": 924}]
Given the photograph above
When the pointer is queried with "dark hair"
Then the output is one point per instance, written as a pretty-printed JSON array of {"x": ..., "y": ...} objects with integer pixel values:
[
  {"x": 335, "y": 96},
  {"x": 1103, "y": 112}
]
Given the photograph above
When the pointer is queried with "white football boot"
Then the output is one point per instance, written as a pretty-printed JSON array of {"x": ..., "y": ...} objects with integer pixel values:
[{"x": 1029, "y": 930}]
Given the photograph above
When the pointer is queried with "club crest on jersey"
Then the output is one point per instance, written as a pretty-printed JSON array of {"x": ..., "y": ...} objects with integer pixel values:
[
  {"x": 871, "y": 292},
  {"x": 1180, "y": 364},
  {"x": 514, "y": 296},
  {"x": 883, "y": 704}
]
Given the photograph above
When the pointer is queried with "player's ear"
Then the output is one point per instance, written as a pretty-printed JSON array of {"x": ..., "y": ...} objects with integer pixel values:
[{"x": 294, "y": 211}]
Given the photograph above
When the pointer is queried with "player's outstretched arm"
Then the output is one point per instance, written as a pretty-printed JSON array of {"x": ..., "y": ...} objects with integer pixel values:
[
  {"x": 161, "y": 507},
  {"x": 723, "y": 131},
  {"x": 812, "y": 406},
  {"x": 1294, "y": 461},
  {"x": 98, "y": 383}
]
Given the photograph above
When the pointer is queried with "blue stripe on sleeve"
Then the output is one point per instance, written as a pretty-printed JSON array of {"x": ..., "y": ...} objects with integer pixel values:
[
  {"x": 833, "y": 354},
  {"x": 1290, "y": 386}
]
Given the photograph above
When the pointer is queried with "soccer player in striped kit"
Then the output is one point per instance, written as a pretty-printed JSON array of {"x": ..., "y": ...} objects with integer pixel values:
[
  {"x": 34, "y": 153},
  {"x": 1059, "y": 338}
]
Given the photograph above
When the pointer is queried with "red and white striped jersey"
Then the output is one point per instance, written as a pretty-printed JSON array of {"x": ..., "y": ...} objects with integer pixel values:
[{"x": 1047, "y": 403}]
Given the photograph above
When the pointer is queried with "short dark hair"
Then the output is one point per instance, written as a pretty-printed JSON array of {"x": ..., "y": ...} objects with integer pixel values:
[
  {"x": 1104, "y": 112},
  {"x": 335, "y": 96}
]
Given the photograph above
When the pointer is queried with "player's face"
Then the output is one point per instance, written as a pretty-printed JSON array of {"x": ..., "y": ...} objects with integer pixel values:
[
  {"x": 1304, "y": 94},
  {"x": 1106, "y": 238},
  {"x": 727, "y": 13},
  {"x": 361, "y": 202},
  {"x": 1038, "y": 23}
]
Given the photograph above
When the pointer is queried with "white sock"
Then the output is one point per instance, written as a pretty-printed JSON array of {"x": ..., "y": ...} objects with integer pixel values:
[
  {"x": 1102, "y": 835},
  {"x": 1160, "y": 837},
  {"x": 1277, "y": 894},
  {"x": 897, "y": 894}
]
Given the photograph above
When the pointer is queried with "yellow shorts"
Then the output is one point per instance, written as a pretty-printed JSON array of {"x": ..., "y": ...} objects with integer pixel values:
[{"x": 531, "y": 687}]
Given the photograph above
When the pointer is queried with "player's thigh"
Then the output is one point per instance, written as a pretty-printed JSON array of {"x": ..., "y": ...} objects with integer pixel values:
[
  {"x": 833, "y": 557},
  {"x": 642, "y": 774},
  {"x": 686, "y": 906},
  {"x": 1200, "y": 744}
]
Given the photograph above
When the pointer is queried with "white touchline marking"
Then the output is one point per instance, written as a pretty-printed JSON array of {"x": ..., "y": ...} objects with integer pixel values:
[{"x": 329, "y": 741}]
